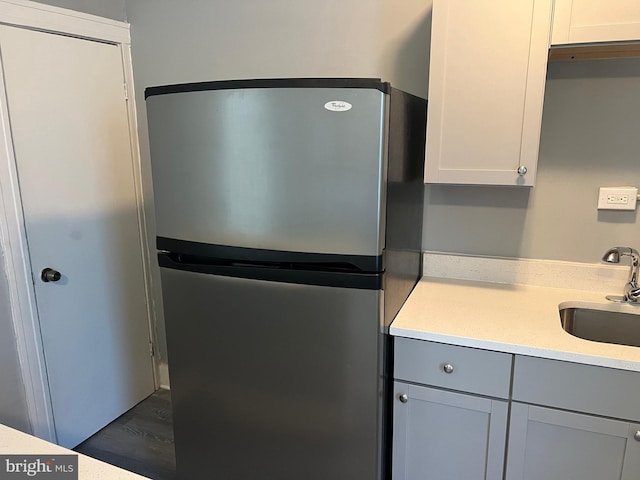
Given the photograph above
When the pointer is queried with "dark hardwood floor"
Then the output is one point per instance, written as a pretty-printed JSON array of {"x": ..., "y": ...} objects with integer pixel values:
[{"x": 141, "y": 440}]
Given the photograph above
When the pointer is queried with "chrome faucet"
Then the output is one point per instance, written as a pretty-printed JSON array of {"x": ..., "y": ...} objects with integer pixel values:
[{"x": 631, "y": 289}]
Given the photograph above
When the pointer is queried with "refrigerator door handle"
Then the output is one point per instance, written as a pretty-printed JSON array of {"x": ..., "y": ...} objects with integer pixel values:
[{"x": 275, "y": 273}]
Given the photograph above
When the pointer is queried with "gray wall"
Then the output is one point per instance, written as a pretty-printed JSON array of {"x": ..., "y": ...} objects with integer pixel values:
[
  {"x": 13, "y": 406},
  {"x": 590, "y": 138},
  {"x": 199, "y": 40},
  {"x": 114, "y": 9}
]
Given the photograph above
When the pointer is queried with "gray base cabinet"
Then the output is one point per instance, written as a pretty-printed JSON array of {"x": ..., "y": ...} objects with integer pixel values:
[
  {"x": 566, "y": 421},
  {"x": 546, "y": 444},
  {"x": 442, "y": 435},
  {"x": 588, "y": 443},
  {"x": 450, "y": 411}
]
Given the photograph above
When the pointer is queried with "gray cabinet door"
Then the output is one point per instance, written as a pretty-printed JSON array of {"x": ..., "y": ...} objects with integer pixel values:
[
  {"x": 552, "y": 444},
  {"x": 441, "y": 435}
]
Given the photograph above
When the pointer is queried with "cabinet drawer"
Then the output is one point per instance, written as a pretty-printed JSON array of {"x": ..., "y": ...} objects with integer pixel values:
[
  {"x": 473, "y": 370},
  {"x": 581, "y": 388}
]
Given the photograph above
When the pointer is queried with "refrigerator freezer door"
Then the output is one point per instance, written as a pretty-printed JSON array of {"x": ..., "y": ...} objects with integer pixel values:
[
  {"x": 273, "y": 380},
  {"x": 271, "y": 168}
]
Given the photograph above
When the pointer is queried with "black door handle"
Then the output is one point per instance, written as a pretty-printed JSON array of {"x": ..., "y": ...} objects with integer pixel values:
[{"x": 50, "y": 275}]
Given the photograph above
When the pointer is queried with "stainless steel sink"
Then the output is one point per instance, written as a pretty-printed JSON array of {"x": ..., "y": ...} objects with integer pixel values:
[{"x": 602, "y": 325}]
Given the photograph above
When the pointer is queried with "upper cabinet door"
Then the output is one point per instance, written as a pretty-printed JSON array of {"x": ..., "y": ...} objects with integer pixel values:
[
  {"x": 591, "y": 21},
  {"x": 486, "y": 90}
]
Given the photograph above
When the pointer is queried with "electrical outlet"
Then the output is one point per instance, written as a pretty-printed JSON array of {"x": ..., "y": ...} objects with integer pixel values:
[{"x": 617, "y": 198}]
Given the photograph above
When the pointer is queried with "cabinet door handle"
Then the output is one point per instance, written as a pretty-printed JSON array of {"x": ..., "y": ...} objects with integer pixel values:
[
  {"x": 403, "y": 398},
  {"x": 636, "y": 436},
  {"x": 522, "y": 170},
  {"x": 448, "y": 368}
]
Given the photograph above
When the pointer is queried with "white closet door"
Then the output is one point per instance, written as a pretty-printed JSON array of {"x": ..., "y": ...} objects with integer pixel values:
[{"x": 70, "y": 132}]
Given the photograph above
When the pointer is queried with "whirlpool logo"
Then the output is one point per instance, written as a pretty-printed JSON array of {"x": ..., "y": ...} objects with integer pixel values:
[
  {"x": 338, "y": 106},
  {"x": 59, "y": 467}
]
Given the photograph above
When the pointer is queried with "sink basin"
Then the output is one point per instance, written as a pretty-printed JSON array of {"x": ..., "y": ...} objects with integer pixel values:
[{"x": 602, "y": 325}]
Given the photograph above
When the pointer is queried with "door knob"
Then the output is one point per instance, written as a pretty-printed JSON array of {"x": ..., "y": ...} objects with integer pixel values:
[{"x": 50, "y": 275}]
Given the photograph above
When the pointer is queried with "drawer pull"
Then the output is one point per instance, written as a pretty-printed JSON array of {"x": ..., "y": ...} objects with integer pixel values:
[
  {"x": 403, "y": 398},
  {"x": 448, "y": 368},
  {"x": 636, "y": 435}
]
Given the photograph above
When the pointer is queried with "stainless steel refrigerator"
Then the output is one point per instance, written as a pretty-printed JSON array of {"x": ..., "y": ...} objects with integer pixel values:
[{"x": 289, "y": 223}]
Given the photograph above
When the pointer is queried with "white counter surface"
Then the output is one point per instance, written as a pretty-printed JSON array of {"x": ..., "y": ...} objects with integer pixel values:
[
  {"x": 520, "y": 319},
  {"x": 15, "y": 442}
]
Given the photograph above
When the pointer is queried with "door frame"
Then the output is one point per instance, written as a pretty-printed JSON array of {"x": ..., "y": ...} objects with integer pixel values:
[{"x": 13, "y": 238}]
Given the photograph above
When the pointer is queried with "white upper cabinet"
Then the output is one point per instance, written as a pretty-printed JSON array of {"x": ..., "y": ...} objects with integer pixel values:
[
  {"x": 486, "y": 90},
  {"x": 595, "y": 21}
]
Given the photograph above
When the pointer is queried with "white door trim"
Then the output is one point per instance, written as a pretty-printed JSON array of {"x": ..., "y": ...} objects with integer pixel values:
[
  {"x": 147, "y": 256},
  {"x": 13, "y": 237},
  {"x": 59, "y": 20}
]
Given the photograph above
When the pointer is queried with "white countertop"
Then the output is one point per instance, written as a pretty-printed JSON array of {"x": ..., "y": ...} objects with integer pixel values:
[
  {"x": 15, "y": 442},
  {"x": 512, "y": 318}
]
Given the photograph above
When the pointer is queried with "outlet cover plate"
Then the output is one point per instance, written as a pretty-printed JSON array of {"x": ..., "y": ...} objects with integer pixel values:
[{"x": 617, "y": 198}]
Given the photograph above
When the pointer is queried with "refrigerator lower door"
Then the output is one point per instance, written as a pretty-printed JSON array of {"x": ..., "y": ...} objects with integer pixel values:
[{"x": 273, "y": 380}]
